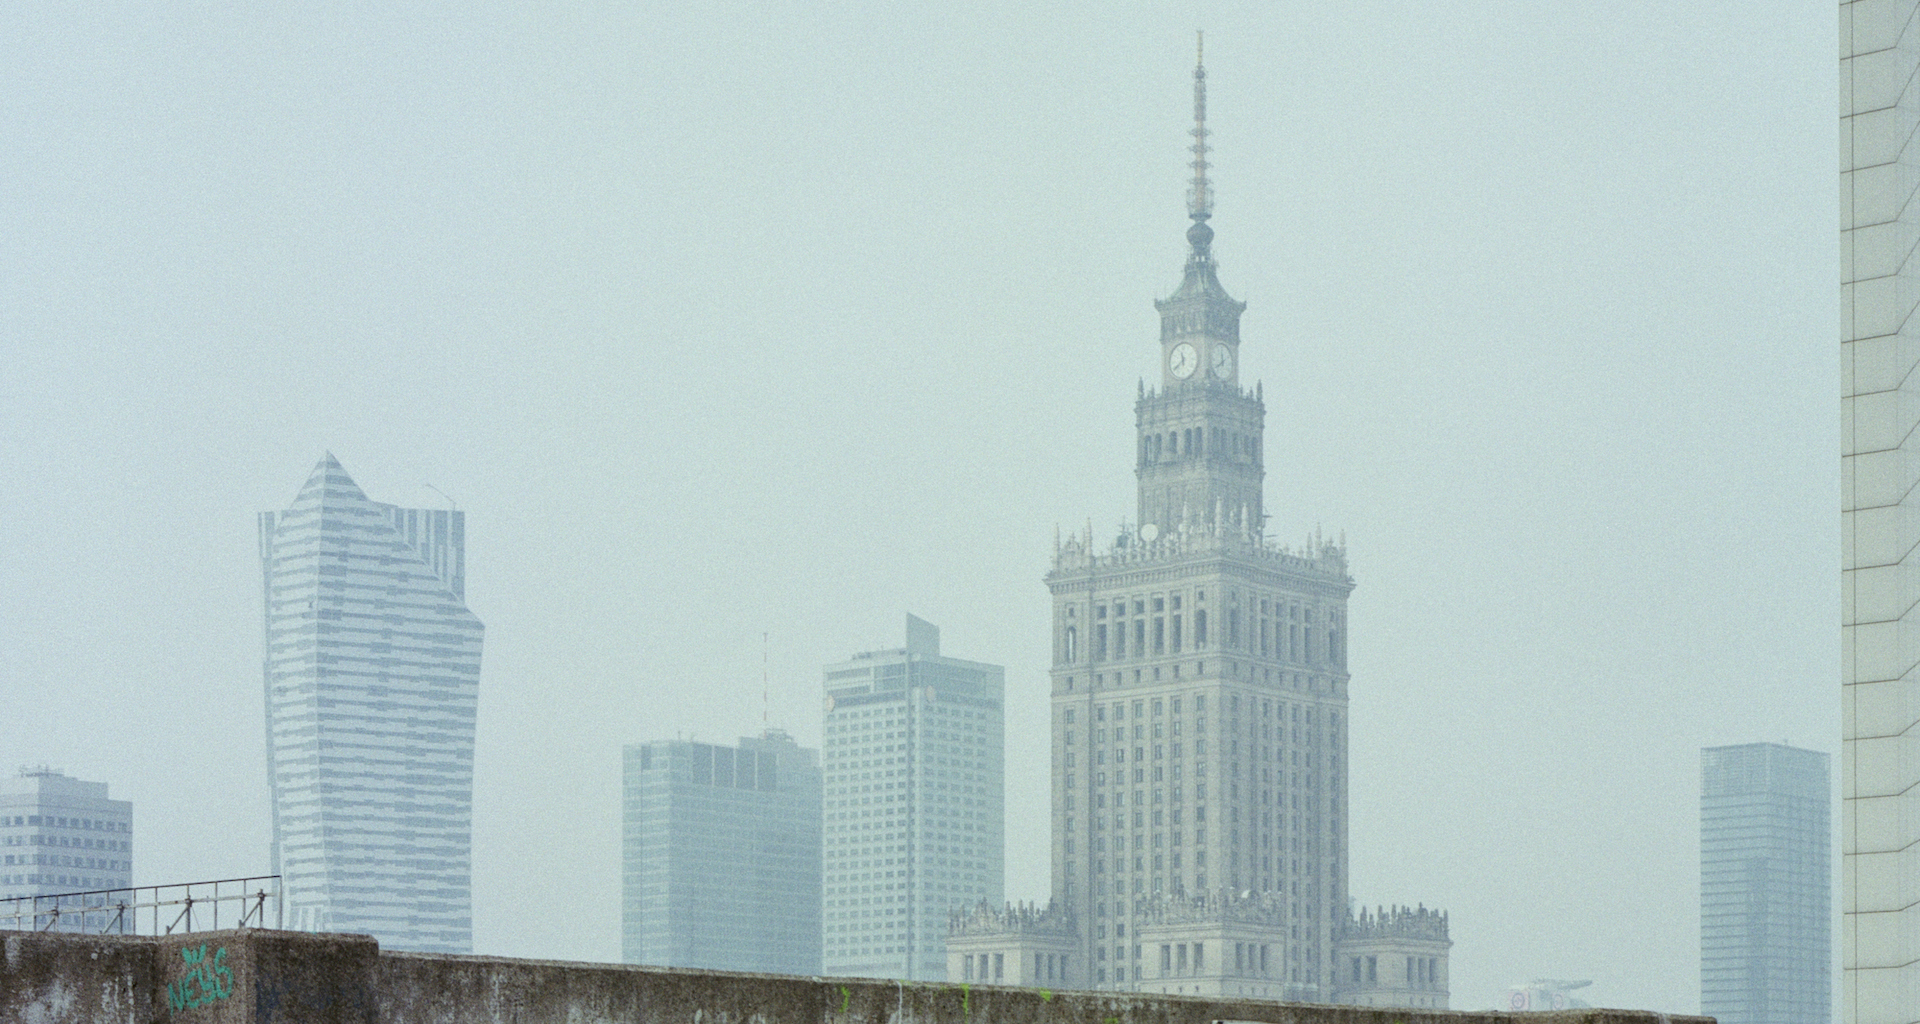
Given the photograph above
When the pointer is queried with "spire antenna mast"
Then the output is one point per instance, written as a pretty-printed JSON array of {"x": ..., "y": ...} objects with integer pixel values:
[{"x": 1200, "y": 196}]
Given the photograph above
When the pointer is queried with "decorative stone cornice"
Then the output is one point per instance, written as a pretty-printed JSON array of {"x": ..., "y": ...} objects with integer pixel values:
[
  {"x": 1014, "y": 919},
  {"x": 1395, "y": 923}
]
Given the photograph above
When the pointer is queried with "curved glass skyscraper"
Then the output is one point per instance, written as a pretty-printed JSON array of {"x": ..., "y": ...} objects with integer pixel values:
[{"x": 372, "y": 670}]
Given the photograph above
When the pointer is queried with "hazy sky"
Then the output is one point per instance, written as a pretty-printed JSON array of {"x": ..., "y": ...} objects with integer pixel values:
[{"x": 724, "y": 319}]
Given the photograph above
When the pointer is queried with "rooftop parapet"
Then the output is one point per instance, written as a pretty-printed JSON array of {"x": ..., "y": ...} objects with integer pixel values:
[
  {"x": 1397, "y": 923},
  {"x": 1196, "y": 539},
  {"x": 1012, "y": 919}
]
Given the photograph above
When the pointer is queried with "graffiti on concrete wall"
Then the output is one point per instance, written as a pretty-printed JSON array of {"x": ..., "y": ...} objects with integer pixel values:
[{"x": 207, "y": 980}]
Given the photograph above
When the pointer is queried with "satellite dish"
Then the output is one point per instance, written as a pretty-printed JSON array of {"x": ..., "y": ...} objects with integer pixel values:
[{"x": 1149, "y": 532}]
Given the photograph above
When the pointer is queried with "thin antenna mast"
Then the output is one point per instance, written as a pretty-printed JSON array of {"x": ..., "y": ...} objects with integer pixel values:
[
  {"x": 1200, "y": 196},
  {"x": 763, "y": 683}
]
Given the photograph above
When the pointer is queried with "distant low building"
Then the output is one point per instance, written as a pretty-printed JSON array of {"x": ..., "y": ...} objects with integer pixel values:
[
  {"x": 59, "y": 834},
  {"x": 722, "y": 856}
]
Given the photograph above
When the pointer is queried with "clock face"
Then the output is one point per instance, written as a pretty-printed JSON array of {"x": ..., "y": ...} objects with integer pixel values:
[
  {"x": 1183, "y": 360},
  {"x": 1222, "y": 362}
]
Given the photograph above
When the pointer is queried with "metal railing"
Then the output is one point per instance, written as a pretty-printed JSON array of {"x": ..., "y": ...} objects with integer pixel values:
[{"x": 150, "y": 909}]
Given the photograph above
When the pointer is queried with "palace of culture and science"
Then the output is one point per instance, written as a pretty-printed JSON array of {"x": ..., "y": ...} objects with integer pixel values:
[{"x": 1199, "y": 718}]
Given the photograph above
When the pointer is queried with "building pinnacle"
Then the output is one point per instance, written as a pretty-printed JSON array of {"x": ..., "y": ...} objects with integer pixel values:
[{"x": 1200, "y": 193}]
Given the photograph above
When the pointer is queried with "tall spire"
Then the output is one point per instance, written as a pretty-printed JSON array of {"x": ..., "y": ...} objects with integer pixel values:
[
  {"x": 1200, "y": 305},
  {"x": 1200, "y": 193}
]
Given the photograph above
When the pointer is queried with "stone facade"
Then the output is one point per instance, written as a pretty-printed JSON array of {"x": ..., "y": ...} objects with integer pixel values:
[
  {"x": 1020, "y": 944},
  {"x": 1394, "y": 957}
]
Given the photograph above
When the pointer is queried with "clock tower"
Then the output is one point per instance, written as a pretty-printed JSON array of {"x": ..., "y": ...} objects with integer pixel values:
[
  {"x": 1199, "y": 718},
  {"x": 1198, "y": 459}
]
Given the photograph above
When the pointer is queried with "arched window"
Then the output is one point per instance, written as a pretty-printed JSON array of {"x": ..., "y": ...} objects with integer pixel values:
[
  {"x": 1200, "y": 628},
  {"x": 1073, "y": 644}
]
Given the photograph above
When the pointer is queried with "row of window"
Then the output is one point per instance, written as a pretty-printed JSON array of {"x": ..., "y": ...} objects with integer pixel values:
[
  {"x": 61, "y": 860},
  {"x": 1192, "y": 443},
  {"x": 1157, "y": 706},
  {"x": 51, "y": 821},
  {"x": 1162, "y": 635},
  {"x": 1301, "y": 682},
  {"x": 1421, "y": 971},
  {"x": 993, "y": 967},
  {"x": 1308, "y": 888},
  {"x": 77, "y": 842},
  {"x": 86, "y": 881}
]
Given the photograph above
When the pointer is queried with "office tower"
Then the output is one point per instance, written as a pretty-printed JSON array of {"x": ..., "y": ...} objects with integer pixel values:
[
  {"x": 372, "y": 672},
  {"x": 722, "y": 856},
  {"x": 60, "y": 834},
  {"x": 914, "y": 804},
  {"x": 1880, "y": 514},
  {"x": 1765, "y": 931},
  {"x": 1199, "y": 717}
]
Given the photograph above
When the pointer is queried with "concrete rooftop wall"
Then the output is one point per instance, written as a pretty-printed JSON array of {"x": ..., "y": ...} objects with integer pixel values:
[{"x": 269, "y": 977}]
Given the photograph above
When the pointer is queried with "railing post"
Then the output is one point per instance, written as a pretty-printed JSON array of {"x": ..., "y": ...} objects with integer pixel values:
[{"x": 45, "y": 912}]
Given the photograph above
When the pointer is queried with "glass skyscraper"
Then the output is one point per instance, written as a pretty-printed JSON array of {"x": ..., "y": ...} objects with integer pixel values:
[
  {"x": 722, "y": 856},
  {"x": 915, "y": 804},
  {"x": 372, "y": 671},
  {"x": 1766, "y": 948}
]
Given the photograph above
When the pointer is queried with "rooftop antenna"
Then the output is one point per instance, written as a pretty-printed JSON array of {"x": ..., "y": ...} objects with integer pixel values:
[
  {"x": 763, "y": 684},
  {"x": 1200, "y": 196},
  {"x": 443, "y": 494}
]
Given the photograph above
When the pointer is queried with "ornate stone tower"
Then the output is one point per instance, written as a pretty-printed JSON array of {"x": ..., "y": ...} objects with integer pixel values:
[
  {"x": 1199, "y": 449},
  {"x": 1200, "y": 692},
  {"x": 1199, "y": 715}
]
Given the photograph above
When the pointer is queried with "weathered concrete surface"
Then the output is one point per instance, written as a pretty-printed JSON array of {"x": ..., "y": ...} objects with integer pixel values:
[
  {"x": 106, "y": 979},
  {"x": 266, "y": 977},
  {"x": 269, "y": 977}
]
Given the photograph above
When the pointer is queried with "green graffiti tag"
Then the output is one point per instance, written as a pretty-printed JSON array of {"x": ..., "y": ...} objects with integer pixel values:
[
  {"x": 207, "y": 980},
  {"x": 845, "y": 998}
]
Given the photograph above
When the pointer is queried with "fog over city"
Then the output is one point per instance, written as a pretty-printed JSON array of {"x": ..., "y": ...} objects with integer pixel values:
[{"x": 726, "y": 321}]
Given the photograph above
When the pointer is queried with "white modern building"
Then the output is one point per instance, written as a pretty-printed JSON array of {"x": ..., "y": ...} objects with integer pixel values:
[
  {"x": 914, "y": 808},
  {"x": 59, "y": 834},
  {"x": 372, "y": 671},
  {"x": 721, "y": 855},
  {"x": 1766, "y": 885},
  {"x": 1880, "y": 513}
]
